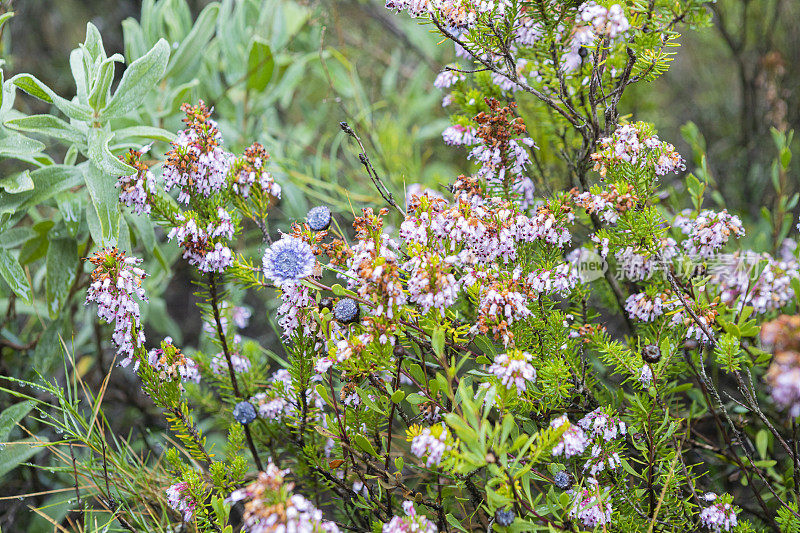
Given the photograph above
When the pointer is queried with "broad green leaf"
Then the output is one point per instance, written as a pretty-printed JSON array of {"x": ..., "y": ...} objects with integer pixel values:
[
  {"x": 11, "y": 416},
  {"x": 260, "y": 65},
  {"x": 102, "y": 157},
  {"x": 79, "y": 74},
  {"x": 17, "y": 183},
  {"x": 62, "y": 264},
  {"x": 71, "y": 208},
  {"x": 13, "y": 144},
  {"x": 146, "y": 236},
  {"x": 94, "y": 42},
  {"x": 762, "y": 442},
  {"x": 398, "y": 396},
  {"x": 102, "y": 83},
  {"x": 15, "y": 453},
  {"x": 365, "y": 445},
  {"x": 103, "y": 217},
  {"x": 14, "y": 275},
  {"x": 36, "y": 247},
  {"x": 187, "y": 56},
  {"x": 437, "y": 341},
  {"x": 37, "y": 89},
  {"x": 144, "y": 132},
  {"x": 50, "y": 126},
  {"x": 138, "y": 80},
  {"x": 133, "y": 38},
  {"x": 48, "y": 182},
  {"x": 4, "y": 18},
  {"x": 11, "y": 238}
]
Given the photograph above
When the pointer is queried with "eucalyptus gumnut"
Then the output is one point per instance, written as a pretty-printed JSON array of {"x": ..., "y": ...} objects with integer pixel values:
[
  {"x": 651, "y": 354},
  {"x": 562, "y": 480},
  {"x": 346, "y": 311},
  {"x": 505, "y": 517},
  {"x": 319, "y": 218},
  {"x": 244, "y": 413}
]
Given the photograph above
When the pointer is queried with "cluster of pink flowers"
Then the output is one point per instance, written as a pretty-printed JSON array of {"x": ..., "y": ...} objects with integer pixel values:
[
  {"x": 709, "y": 232},
  {"x": 135, "y": 189},
  {"x": 412, "y": 522},
  {"x": 431, "y": 283},
  {"x": 636, "y": 266},
  {"x": 198, "y": 243},
  {"x": 219, "y": 364},
  {"x": 374, "y": 274},
  {"x": 456, "y": 13},
  {"x": 280, "y": 398},
  {"x": 719, "y": 516},
  {"x": 447, "y": 78},
  {"x": 171, "y": 364},
  {"x": 181, "y": 499},
  {"x": 514, "y": 369},
  {"x": 295, "y": 298},
  {"x": 770, "y": 290},
  {"x": 589, "y": 508},
  {"x": 196, "y": 164},
  {"x": 249, "y": 171},
  {"x": 604, "y": 429},
  {"x": 573, "y": 441},
  {"x": 782, "y": 337},
  {"x": 116, "y": 279},
  {"x": 431, "y": 443},
  {"x": 646, "y": 308},
  {"x": 599, "y": 424},
  {"x": 458, "y": 135},
  {"x": 270, "y": 506},
  {"x": 634, "y": 145},
  {"x": 561, "y": 279},
  {"x": 495, "y": 163},
  {"x": 604, "y": 21},
  {"x": 478, "y": 232}
]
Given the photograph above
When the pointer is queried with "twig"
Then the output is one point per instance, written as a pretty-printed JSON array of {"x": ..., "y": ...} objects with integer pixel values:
[
  {"x": 376, "y": 180},
  {"x": 212, "y": 286}
]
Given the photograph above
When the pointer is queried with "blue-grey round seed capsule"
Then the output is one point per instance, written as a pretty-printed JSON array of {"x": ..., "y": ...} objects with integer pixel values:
[
  {"x": 244, "y": 413},
  {"x": 651, "y": 354},
  {"x": 319, "y": 218},
  {"x": 505, "y": 517},
  {"x": 346, "y": 311},
  {"x": 562, "y": 480}
]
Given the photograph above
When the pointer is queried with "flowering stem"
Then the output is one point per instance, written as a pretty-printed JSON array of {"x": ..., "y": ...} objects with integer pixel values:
[{"x": 212, "y": 286}]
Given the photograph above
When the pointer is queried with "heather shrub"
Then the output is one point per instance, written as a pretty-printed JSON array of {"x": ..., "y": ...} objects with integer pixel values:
[{"x": 575, "y": 334}]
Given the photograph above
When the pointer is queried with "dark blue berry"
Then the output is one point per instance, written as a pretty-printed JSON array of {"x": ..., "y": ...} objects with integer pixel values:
[
  {"x": 651, "y": 354},
  {"x": 244, "y": 413},
  {"x": 562, "y": 480},
  {"x": 505, "y": 517},
  {"x": 319, "y": 218},
  {"x": 346, "y": 311}
]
